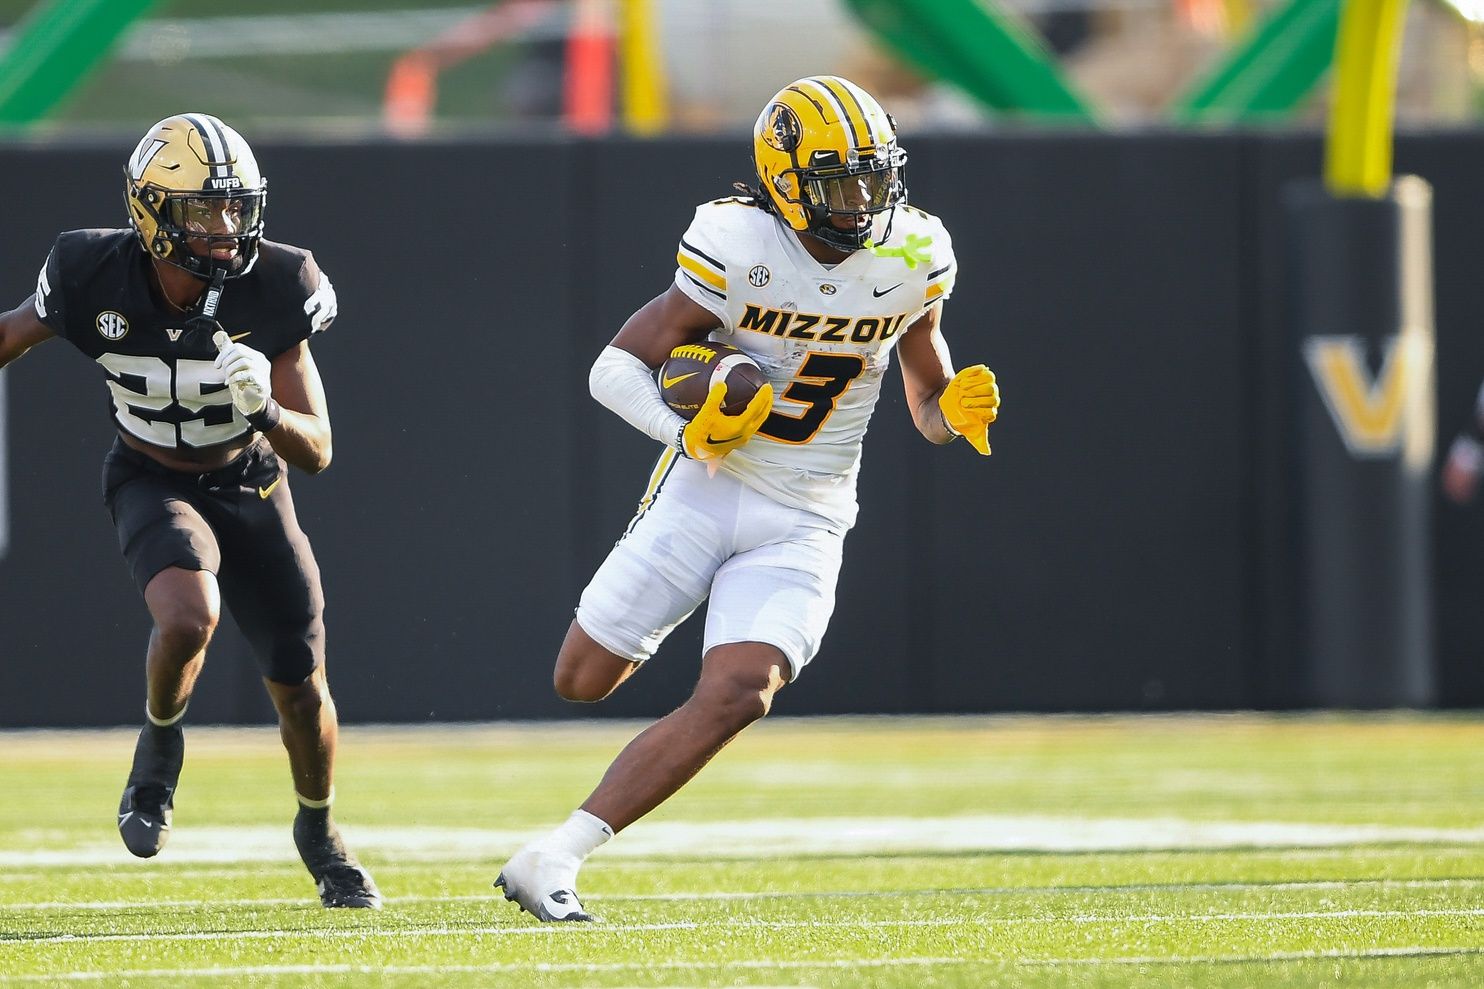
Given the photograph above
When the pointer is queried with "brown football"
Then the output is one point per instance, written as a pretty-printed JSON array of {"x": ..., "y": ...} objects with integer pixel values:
[{"x": 686, "y": 377}]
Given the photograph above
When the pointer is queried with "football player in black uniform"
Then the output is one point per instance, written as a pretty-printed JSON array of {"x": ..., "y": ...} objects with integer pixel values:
[
  {"x": 202, "y": 328},
  {"x": 1466, "y": 457}
]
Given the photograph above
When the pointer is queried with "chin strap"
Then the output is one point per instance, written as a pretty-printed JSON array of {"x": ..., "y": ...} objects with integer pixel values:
[
  {"x": 205, "y": 320},
  {"x": 213, "y": 297},
  {"x": 914, "y": 250}
]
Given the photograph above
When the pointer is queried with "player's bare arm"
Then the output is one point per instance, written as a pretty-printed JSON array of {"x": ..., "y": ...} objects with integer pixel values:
[
  {"x": 926, "y": 370},
  {"x": 20, "y": 330},
  {"x": 302, "y": 436},
  {"x": 946, "y": 404},
  {"x": 669, "y": 320}
]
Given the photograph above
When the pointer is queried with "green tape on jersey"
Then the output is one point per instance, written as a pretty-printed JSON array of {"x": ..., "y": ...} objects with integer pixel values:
[{"x": 914, "y": 250}]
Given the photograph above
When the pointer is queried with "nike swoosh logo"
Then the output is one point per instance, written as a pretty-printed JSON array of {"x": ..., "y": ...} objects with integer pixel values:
[
  {"x": 265, "y": 492},
  {"x": 878, "y": 293},
  {"x": 668, "y": 382},
  {"x": 561, "y": 904},
  {"x": 234, "y": 338},
  {"x": 729, "y": 439}
]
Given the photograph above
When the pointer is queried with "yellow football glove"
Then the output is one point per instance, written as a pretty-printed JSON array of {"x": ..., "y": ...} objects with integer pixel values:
[
  {"x": 970, "y": 403},
  {"x": 713, "y": 434}
]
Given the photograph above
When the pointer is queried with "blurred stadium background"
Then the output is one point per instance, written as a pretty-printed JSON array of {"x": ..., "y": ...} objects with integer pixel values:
[
  {"x": 1172, "y": 219},
  {"x": 349, "y": 67}
]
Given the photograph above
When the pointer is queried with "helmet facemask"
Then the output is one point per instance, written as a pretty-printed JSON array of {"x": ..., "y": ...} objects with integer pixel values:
[
  {"x": 864, "y": 192},
  {"x": 191, "y": 226}
]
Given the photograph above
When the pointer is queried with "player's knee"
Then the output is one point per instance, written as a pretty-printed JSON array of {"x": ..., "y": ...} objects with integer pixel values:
[
  {"x": 581, "y": 682},
  {"x": 736, "y": 698},
  {"x": 571, "y": 685},
  {"x": 185, "y": 606},
  {"x": 585, "y": 671},
  {"x": 738, "y": 682},
  {"x": 185, "y": 626},
  {"x": 302, "y": 703}
]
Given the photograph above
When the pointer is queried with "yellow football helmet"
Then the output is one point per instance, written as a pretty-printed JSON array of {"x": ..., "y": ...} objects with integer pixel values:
[
  {"x": 195, "y": 195},
  {"x": 827, "y": 158}
]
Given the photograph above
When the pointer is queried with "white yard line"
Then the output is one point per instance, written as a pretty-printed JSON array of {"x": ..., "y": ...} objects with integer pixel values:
[
  {"x": 218, "y": 903},
  {"x": 1200, "y": 918},
  {"x": 771, "y": 837},
  {"x": 842, "y": 964},
  {"x": 731, "y": 924},
  {"x": 1407, "y": 951},
  {"x": 577, "y": 968},
  {"x": 503, "y": 930}
]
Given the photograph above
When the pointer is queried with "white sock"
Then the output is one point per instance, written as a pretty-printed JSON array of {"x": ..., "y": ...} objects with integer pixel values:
[
  {"x": 316, "y": 804},
  {"x": 165, "y": 722},
  {"x": 580, "y": 835}
]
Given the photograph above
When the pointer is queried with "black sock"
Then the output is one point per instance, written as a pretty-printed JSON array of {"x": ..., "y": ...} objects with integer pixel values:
[
  {"x": 318, "y": 839},
  {"x": 158, "y": 754}
]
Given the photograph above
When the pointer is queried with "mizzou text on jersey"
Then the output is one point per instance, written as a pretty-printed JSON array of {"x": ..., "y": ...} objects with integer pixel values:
[{"x": 824, "y": 336}]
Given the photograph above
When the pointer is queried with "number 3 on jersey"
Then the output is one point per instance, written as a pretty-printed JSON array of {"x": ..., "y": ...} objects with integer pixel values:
[{"x": 821, "y": 380}]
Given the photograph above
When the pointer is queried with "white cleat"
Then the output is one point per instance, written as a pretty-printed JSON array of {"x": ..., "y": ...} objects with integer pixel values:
[{"x": 544, "y": 884}]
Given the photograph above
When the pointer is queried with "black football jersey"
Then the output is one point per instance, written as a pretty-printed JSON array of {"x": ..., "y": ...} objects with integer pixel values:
[{"x": 95, "y": 290}]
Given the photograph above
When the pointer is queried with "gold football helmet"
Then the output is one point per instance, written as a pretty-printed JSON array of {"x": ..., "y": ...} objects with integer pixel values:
[
  {"x": 195, "y": 195},
  {"x": 827, "y": 157}
]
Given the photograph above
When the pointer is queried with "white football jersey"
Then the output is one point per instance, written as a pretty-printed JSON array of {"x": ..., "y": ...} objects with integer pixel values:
[{"x": 823, "y": 335}]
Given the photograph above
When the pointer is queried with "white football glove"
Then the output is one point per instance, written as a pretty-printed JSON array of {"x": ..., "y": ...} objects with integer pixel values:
[{"x": 247, "y": 372}]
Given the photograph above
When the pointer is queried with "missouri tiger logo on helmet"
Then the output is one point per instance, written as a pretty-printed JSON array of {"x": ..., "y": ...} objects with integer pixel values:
[
  {"x": 827, "y": 158},
  {"x": 195, "y": 195}
]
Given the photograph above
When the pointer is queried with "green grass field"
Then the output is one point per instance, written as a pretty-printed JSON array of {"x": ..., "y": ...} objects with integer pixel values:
[{"x": 1181, "y": 851}]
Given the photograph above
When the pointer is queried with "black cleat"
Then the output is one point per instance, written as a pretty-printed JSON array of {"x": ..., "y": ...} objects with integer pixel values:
[
  {"x": 340, "y": 879},
  {"x": 348, "y": 885},
  {"x": 144, "y": 818},
  {"x": 149, "y": 795}
]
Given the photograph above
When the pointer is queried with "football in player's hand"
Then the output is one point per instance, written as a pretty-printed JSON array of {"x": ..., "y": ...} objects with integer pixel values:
[{"x": 687, "y": 376}]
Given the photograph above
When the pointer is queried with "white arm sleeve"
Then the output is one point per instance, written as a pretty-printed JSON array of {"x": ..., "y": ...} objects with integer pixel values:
[{"x": 624, "y": 384}]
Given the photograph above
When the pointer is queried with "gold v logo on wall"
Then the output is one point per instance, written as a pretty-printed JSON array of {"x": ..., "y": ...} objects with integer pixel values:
[{"x": 1375, "y": 416}]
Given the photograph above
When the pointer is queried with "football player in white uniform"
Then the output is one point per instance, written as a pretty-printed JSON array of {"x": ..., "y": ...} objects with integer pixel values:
[{"x": 818, "y": 275}]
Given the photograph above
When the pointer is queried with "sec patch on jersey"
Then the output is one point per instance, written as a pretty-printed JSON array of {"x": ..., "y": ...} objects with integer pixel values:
[{"x": 686, "y": 377}]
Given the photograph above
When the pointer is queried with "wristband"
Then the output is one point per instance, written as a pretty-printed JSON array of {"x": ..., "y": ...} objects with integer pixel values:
[
  {"x": 953, "y": 434},
  {"x": 267, "y": 417}
]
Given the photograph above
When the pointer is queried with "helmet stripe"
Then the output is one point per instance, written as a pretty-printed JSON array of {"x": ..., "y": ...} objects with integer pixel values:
[
  {"x": 855, "y": 140},
  {"x": 817, "y": 105},
  {"x": 221, "y": 133},
  {"x": 850, "y": 91},
  {"x": 215, "y": 142}
]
